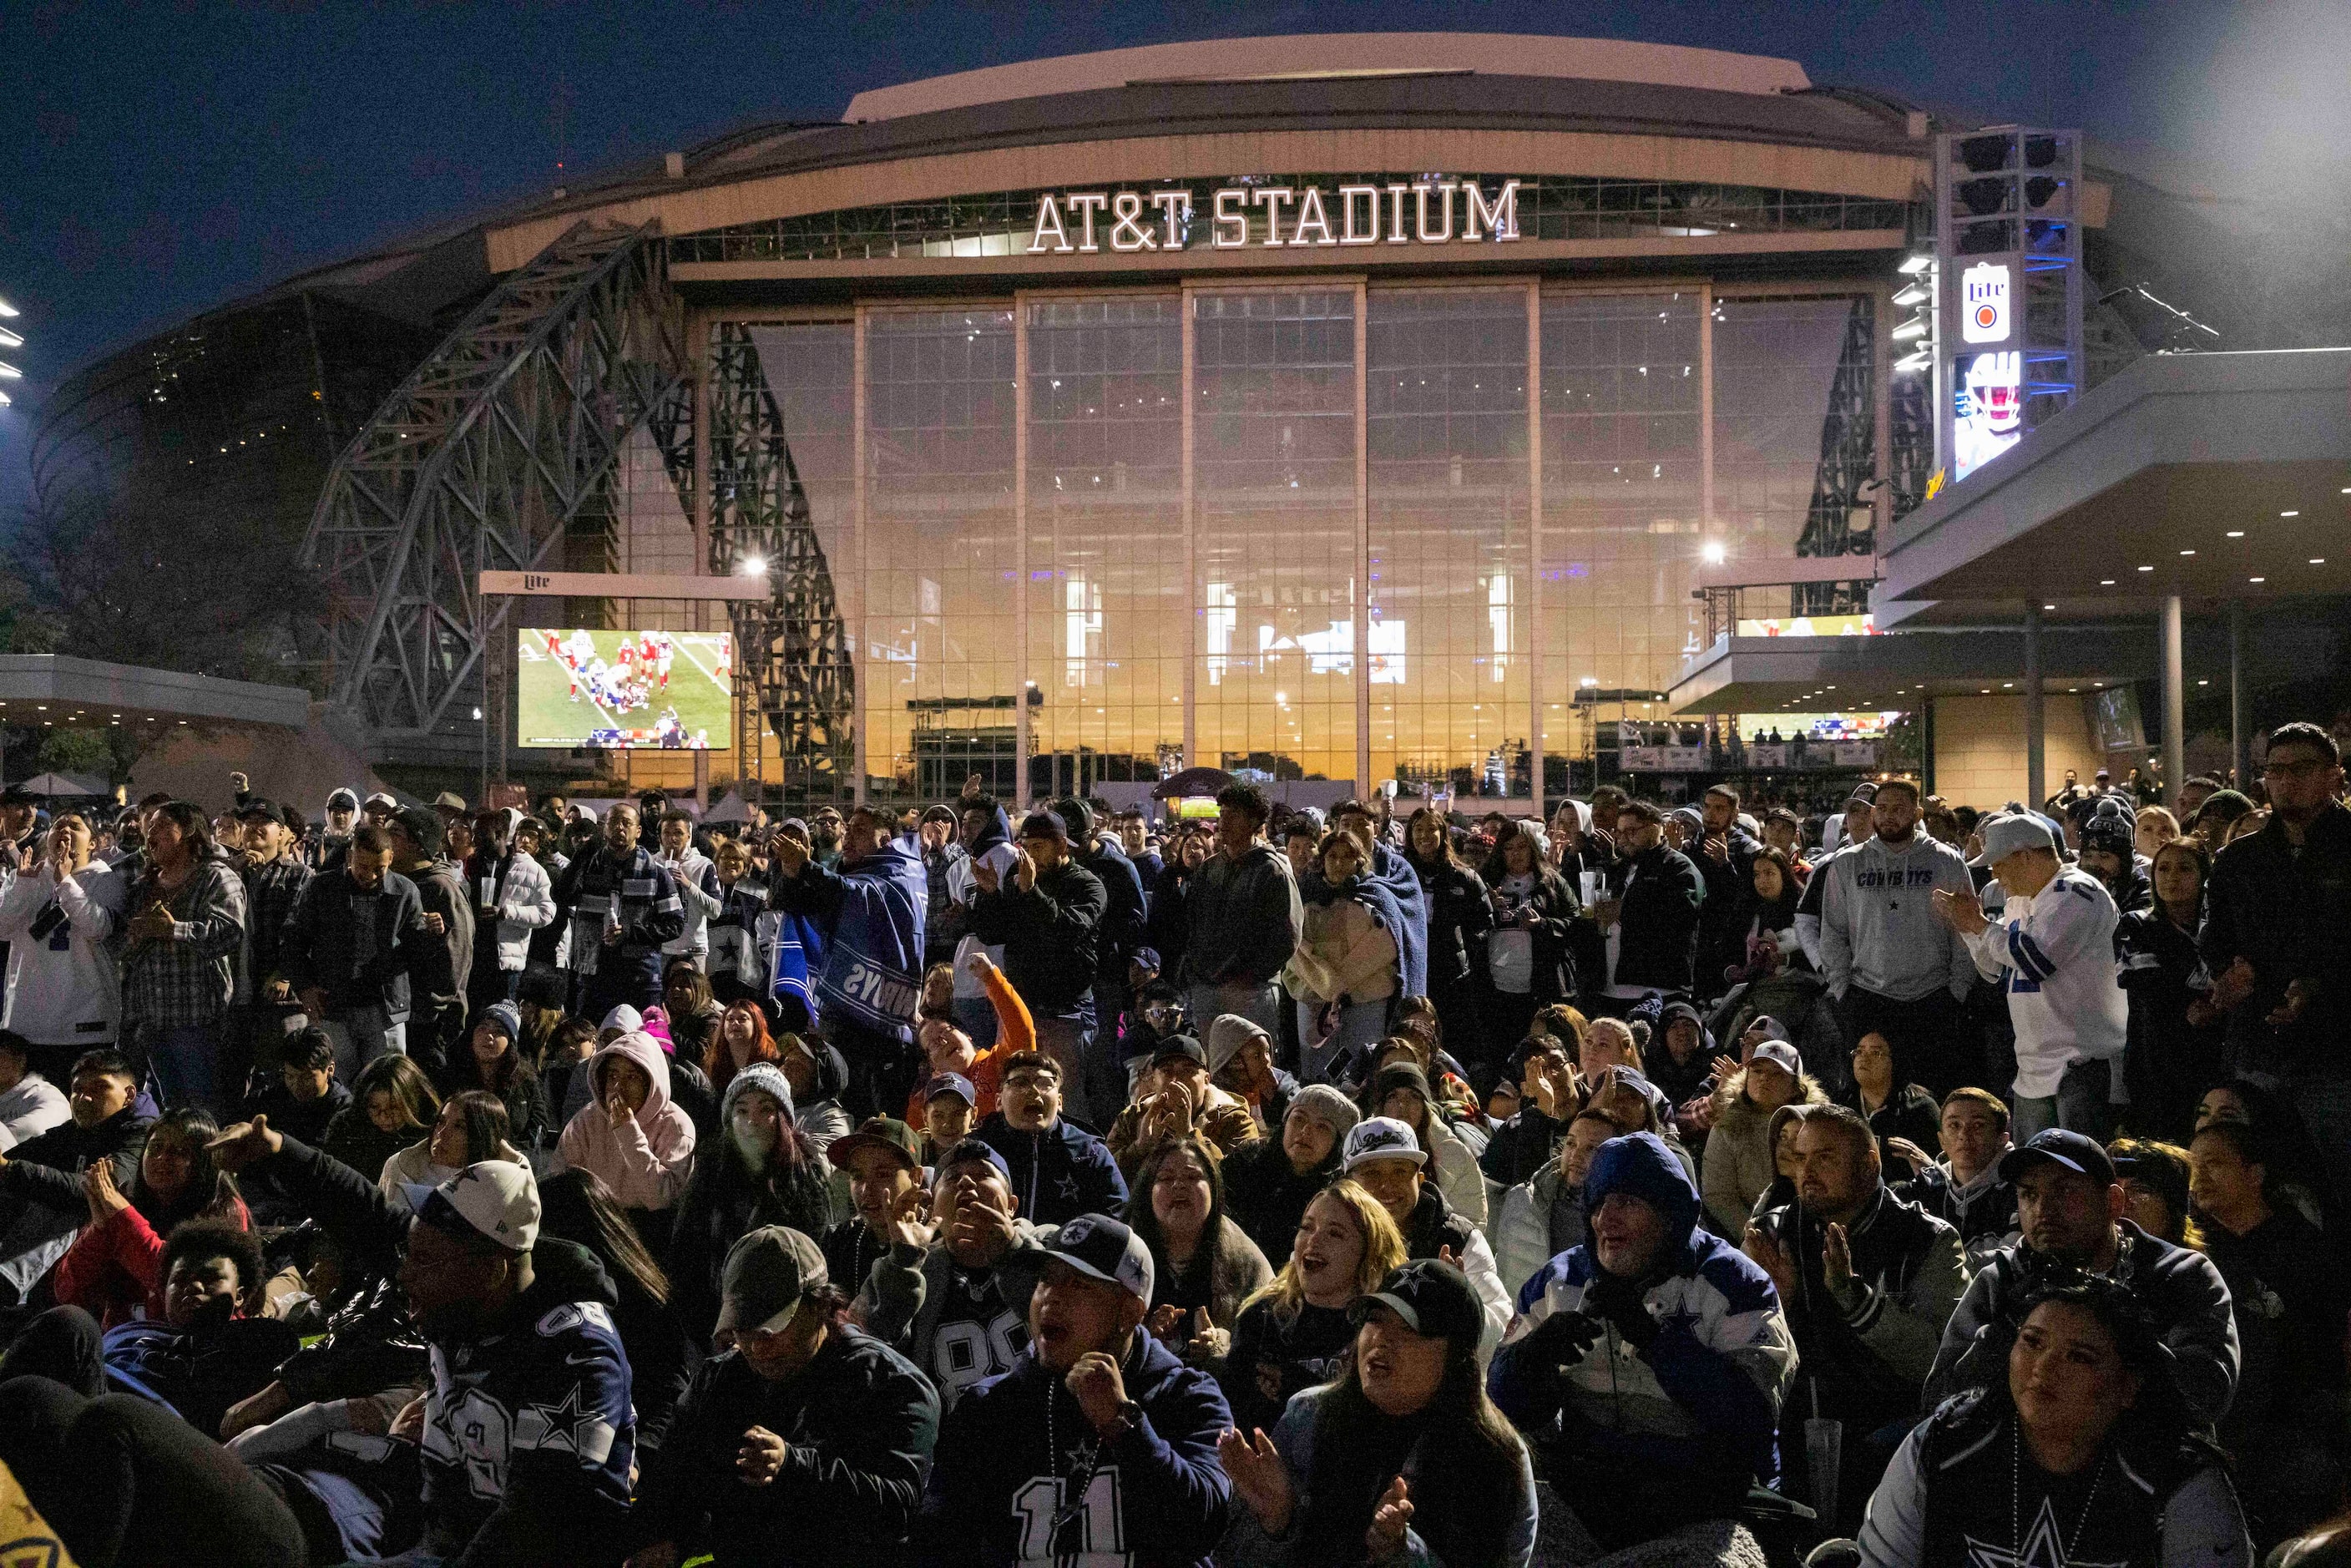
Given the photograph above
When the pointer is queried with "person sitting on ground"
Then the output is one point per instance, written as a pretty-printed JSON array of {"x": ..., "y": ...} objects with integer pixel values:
[
  {"x": 739, "y": 1037},
  {"x": 1269, "y": 1183},
  {"x": 42, "y": 1198},
  {"x": 2082, "y": 1425},
  {"x": 1867, "y": 1282},
  {"x": 114, "y": 1270},
  {"x": 521, "y": 1326},
  {"x": 761, "y": 1171},
  {"x": 575, "y": 1206},
  {"x": 631, "y": 1135},
  {"x": 1680, "y": 1058},
  {"x": 1401, "y": 1092},
  {"x": 1401, "y": 1452},
  {"x": 1964, "y": 1188},
  {"x": 393, "y": 1105},
  {"x": 305, "y": 1097},
  {"x": 2069, "y": 1208},
  {"x": 803, "y": 1441},
  {"x": 1635, "y": 1104},
  {"x": 2287, "y": 1289},
  {"x": 2155, "y": 1180},
  {"x": 1106, "y": 1397},
  {"x": 1175, "y": 1100},
  {"x": 1544, "y": 1216},
  {"x": 1739, "y": 1153},
  {"x": 1058, "y": 1168},
  {"x": 1294, "y": 1332},
  {"x": 1892, "y": 1110},
  {"x": 952, "y": 1294},
  {"x": 1548, "y": 1098},
  {"x": 883, "y": 1162},
  {"x": 1384, "y": 1157},
  {"x": 1203, "y": 1265},
  {"x": 1648, "y": 1365},
  {"x": 817, "y": 1073},
  {"x": 29, "y": 1103},
  {"x": 1240, "y": 1063},
  {"x": 493, "y": 1062},
  {"x": 471, "y": 1126}
]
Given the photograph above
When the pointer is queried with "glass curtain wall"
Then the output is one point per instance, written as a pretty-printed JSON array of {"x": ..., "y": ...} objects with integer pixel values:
[
  {"x": 811, "y": 369},
  {"x": 1451, "y": 654},
  {"x": 1795, "y": 420},
  {"x": 1623, "y": 497},
  {"x": 939, "y": 666},
  {"x": 1274, "y": 485},
  {"x": 1105, "y": 523}
]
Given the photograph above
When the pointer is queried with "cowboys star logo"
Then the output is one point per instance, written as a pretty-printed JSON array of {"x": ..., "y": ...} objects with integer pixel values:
[{"x": 2042, "y": 1547}]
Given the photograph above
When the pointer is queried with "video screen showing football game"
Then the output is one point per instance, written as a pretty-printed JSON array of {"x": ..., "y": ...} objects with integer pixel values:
[{"x": 624, "y": 691}]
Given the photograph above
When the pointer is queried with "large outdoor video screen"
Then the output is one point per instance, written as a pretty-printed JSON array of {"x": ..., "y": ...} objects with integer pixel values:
[{"x": 624, "y": 691}]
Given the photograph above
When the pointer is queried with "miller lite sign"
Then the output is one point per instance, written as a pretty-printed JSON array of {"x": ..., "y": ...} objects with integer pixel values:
[{"x": 1983, "y": 303}]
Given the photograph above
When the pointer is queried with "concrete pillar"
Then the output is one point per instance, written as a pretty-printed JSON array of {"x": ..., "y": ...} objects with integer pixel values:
[
  {"x": 2175, "y": 721},
  {"x": 2036, "y": 729},
  {"x": 2238, "y": 760}
]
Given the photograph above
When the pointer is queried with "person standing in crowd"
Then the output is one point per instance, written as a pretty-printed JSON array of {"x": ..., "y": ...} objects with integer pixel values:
[
  {"x": 1103, "y": 1397},
  {"x": 2053, "y": 953},
  {"x": 345, "y": 951},
  {"x": 1118, "y": 937},
  {"x": 2069, "y": 1206},
  {"x": 274, "y": 878},
  {"x": 1649, "y": 918},
  {"x": 803, "y": 1441},
  {"x": 697, "y": 889},
  {"x": 986, "y": 837},
  {"x": 1964, "y": 1188},
  {"x": 1529, "y": 964},
  {"x": 1343, "y": 972},
  {"x": 1383, "y": 1157},
  {"x": 2277, "y": 940},
  {"x": 622, "y": 907},
  {"x": 2287, "y": 1288},
  {"x": 1294, "y": 1331},
  {"x": 58, "y": 919},
  {"x": 512, "y": 898},
  {"x": 1893, "y": 968},
  {"x": 2110, "y": 854},
  {"x": 1269, "y": 1182},
  {"x": 1170, "y": 923},
  {"x": 2081, "y": 1424},
  {"x": 1867, "y": 1282},
  {"x": 1459, "y": 915},
  {"x": 1647, "y": 1365},
  {"x": 441, "y": 960},
  {"x": 1402, "y": 1451},
  {"x": 1059, "y": 1169},
  {"x": 1725, "y": 857},
  {"x": 1046, "y": 916},
  {"x": 869, "y": 907},
  {"x": 181, "y": 942},
  {"x": 2175, "y": 1050},
  {"x": 1242, "y": 916},
  {"x": 942, "y": 851},
  {"x": 340, "y": 816},
  {"x": 1134, "y": 838}
]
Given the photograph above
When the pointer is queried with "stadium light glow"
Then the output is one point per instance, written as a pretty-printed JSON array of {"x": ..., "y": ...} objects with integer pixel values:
[
  {"x": 1914, "y": 265},
  {"x": 7, "y": 309},
  {"x": 1712, "y": 552},
  {"x": 753, "y": 565}
]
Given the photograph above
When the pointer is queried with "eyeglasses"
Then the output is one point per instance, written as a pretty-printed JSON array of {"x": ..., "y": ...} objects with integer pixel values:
[{"x": 2303, "y": 769}]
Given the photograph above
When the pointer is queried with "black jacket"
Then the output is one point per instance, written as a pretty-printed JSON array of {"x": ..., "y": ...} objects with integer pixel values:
[
  {"x": 2169, "y": 1063},
  {"x": 1266, "y": 1198},
  {"x": 1049, "y": 934},
  {"x": 319, "y": 946},
  {"x": 2290, "y": 915},
  {"x": 1522, "y": 1147},
  {"x": 1730, "y": 905},
  {"x": 859, "y": 1423},
  {"x": 1243, "y": 918},
  {"x": 1908, "y": 1113},
  {"x": 1459, "y": 915},
  {"x": 1120, "y": 931},
  {"x": 46, "y": 1170},
  {"x": 1555, "y": 906},
  {"x": 1663, "y": 895}
]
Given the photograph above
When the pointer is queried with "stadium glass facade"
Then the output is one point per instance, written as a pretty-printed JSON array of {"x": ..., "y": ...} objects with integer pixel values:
[{"x": 1374, "y": 530}]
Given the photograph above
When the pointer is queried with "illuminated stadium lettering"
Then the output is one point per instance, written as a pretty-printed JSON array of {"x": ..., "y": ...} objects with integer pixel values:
[{"x": 1423, "y": 212}]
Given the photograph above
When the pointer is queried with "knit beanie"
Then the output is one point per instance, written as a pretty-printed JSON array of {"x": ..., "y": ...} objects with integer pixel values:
[{"x": 1328, "y": 1106}]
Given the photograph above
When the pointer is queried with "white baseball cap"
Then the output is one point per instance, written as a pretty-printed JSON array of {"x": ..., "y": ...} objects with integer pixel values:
[
  {"x": 1382, "y": 1139},
  {"x": 493, "y": 1199}
]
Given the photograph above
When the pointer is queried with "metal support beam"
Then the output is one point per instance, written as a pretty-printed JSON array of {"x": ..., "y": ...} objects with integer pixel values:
[
  {"x": 2175, "y": 739},
  {"x": 2036, "y": 731},
  {"x": 2240, "y": 765}
]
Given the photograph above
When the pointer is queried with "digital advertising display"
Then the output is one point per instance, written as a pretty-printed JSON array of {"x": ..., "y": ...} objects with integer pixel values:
[{"x": 624, "y": 691}]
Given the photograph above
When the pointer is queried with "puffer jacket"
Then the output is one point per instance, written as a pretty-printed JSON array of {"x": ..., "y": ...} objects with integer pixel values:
[
  {"x": 1536, "y": 1221},
  {"x": 515, "y": 892},
  {"x": 647, "y": 1160},
  {"x": 1739, "y": 1156}
]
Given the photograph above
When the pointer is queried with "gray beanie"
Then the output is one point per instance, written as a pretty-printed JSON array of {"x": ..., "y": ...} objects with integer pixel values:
[{"x": 1328, "y": 1106}]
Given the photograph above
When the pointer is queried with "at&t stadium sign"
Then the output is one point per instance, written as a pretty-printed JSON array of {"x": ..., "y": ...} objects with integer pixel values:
[{"x": 1273, "y": 218}]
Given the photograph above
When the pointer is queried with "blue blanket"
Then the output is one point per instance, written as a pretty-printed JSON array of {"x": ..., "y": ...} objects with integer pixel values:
[
  {"x": 1392, "y": 892},
  {"x": 871, "y": 973}
]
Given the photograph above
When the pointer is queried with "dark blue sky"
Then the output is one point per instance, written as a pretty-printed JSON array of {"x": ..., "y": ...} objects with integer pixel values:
[{"x": 162, "y": 160}]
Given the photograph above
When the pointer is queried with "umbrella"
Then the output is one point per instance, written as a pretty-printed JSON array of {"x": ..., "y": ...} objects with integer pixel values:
[
  {"x": 1192, "y": 782},
  {"x": 52, "y": 784}
]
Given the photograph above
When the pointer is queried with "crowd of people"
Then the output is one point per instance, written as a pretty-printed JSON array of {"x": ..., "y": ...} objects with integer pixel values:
[{"x": 1651, "y": 1185}]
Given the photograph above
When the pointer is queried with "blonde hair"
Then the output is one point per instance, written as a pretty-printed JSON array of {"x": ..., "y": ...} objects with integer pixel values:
[{"x": 1384, "y": 1252}]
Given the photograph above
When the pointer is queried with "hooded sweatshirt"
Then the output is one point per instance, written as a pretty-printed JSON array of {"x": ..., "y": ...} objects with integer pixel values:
[
  {"x": 1879, "y": 929},
  {"x": 647, "y": 1159},
  {"x": 1693, "y": 1413},
  {"x": 993, "y": 846}
]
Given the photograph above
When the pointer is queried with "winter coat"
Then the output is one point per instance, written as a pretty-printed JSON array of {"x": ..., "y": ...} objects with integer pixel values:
[
  {"x": 647, "y": 1160},
  {"x": 1342, "y": 951},
  {"x": 699, "y": 896},
  {"x": 1223, "y": 1119},
  {"x": 63, "y": 984},
  {"x": 1662, "y": 895},
  {"x": 1432, "y": 1227},
  {"x": 1459, "y": 915},
  {"x": 31, "y": 1108},
  {"x": 1237, "y": 1270},
  {"x": 1739, "y": 1162},
  {"x": 1060, "y": 1172},
  {"x": 1242, "y": 918},
  {"x": 1910, "y": 1112},
  {"x": 1168, "y": 926},
  {"x": 1049, "y": 935},
  {"x": 1458, "y": 1175},
  {"x": 512, "y": 899},
  {"x": 2288, "y": 914},
  {"x": 1522, "y": 1147},
  {"x": 1536, "y": 1221},
  {"x": 1266, "y": 1197},
  {"x": 413, "y": 1165},
  {"x": 320, "y": 947},
  {"x": 724, "y": 1202},
  {"x": 2169, "y": 1063}
]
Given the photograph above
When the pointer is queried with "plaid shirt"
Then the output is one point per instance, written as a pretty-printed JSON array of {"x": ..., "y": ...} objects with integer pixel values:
[
  {"x": 188, "y": 978},
  {"x": 269, "y": 894}
]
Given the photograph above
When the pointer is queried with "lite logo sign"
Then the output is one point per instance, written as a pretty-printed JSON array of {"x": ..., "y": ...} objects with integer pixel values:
[
  {"x": 1425, "y": 212},
  {"x": 1983, "y": 304}
]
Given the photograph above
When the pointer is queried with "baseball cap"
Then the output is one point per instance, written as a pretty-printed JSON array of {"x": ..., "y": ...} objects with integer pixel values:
[
  {"x": 1182, "y": 1045},
  {"x": 1381, "y": 1138},
  {"x": 2077, "y": 1151},
  {"x": 346, "y": 800},
  {"x": 449, "y": 800},
  {"x": 885, "y": 1133},
  {"x": 1043, "y": 825},
  {"x": 1781, "y": 1055},
  {"x": 491, "y": 1198},
  {"x": 971, "y": 1151},
  {"x": 2009, "y": 832},
  {"x": 1148, "y": 957},
  {"x": 1434, "y": 1298},
  {"x": 384, "y": 798},
  {"x": 1105, "y": 1249},
  {"x": 255, "y": 805},
  {"x": 769, "y": 1274},
  {"x": 953, "y": 1083}
]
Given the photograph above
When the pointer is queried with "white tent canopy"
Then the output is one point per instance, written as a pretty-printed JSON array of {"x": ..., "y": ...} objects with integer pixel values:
[{"x": 53, "y": 784}]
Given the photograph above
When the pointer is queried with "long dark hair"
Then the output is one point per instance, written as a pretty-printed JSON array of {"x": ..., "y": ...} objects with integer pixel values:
[
  {"x": 1445, "y": 856},
  {"x": 2159, "y": 1425},
  {"x": 488, "y": 1125},
  {"x": 1146, "y": 1224},
  {"x": 1780, "y": 913},
  {"x": 576, "y": 1206},
  {"x": 1465, "y": 1456},
  {"x": 211, "y": 1192},
  {"x": 796, "y": 1189},
  {"x": 195, "y": 830},
  {"x": 502, "y": 1076}
]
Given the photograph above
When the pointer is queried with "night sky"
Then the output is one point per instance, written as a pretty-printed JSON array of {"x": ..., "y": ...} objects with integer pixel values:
[{"x": 164, "y": 160}]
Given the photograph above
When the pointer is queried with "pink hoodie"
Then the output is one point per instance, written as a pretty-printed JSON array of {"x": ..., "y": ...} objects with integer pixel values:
[{"x": 645, "y": 1161}]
